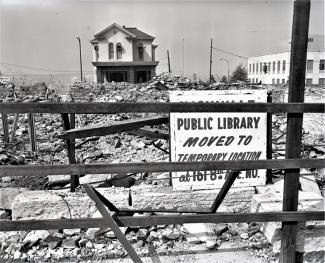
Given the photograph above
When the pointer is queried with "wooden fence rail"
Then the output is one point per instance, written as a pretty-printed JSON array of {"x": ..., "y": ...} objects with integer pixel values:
[
  {"x": 106, "y": 107},
  {"x": 80, "y": 169},
  {"x": 145, "y": 221}
]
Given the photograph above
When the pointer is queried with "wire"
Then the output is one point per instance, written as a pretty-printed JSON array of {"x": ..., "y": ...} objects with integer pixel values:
[{"x": 27, "y": 67}]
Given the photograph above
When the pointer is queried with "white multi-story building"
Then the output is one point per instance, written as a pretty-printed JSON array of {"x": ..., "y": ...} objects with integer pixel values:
[{"x": 278, "y": 65}]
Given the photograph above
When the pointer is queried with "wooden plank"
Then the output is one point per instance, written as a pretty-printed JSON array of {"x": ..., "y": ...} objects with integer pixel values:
[
  {"x": 224, "y": 190},
  {"x": 269, "y": 139},
  {"x": 296, "y": 93},
  {"x": 159, "y": 107},
  {"x": 145, "y": 221},
  {"x": 5, "y": 127},
  {"x": 111, "y": 128},
  {"x": 112, "y": 224},
  {"x": 79, "y": 169},
  {"x": 32, "y": 132},
  {"x": 14, "y": 127},
  {"x": 151, "y": 133},
  {"x": 70, "y": 145}
]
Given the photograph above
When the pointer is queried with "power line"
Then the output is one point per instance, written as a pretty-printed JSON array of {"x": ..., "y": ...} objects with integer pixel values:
[
  {"x": 224, "y": 51},
  {"x": 42, "y": 69}
]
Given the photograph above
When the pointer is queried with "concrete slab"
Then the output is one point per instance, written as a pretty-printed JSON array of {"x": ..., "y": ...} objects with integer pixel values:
[
  {"x": 7, "y": 195},
  {"x": 156, "y": 197},
  {"x": 307, "y": 237},
  {"x": 62, "y": 204}
]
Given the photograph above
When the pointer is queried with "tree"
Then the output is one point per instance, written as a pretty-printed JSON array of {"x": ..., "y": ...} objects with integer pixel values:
[
  {"x": 239, "y": 74},
  {"x": 224, "y": 79}
]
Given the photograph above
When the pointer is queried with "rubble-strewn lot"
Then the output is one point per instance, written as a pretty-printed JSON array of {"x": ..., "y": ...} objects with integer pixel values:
[{"x": 97, "y": 244}]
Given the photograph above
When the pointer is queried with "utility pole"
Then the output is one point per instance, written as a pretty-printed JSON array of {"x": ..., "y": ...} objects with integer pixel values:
[
  {"x": 169, "y": 70},
  {"x": 183, "y": 59},
  {"x": 81, "y": 79},
  {"x": 210, "y": 76}
]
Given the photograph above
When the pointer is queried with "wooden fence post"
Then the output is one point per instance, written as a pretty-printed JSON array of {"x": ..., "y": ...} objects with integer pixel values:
[
  {"x": 14, "y": 127},
  {"x": 294, "y": 126},
  {"x": 32, "y": 132},
  {"x": 4, "y": 117},
  {"x": 269, "y": 139},
  {"x": 74, "y": 179}
]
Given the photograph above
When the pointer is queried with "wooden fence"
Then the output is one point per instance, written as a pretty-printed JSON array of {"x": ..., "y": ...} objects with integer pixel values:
[{"x": 206, "y": 217}]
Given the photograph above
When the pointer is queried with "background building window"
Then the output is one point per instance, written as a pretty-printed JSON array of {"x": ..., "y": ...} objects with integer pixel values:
[
  {"x": 118, "y": 51},
  {"x": 253, "y": 68},
  {"x": 269, "y": 67},
  {"x": 261, "y": 67},
  {"x": 321, "y": 81},
  {"x": 111, "y": 51},
  {"x": 277, "y": 81},
  {"x": 273, "y": 81},
  {"x": 279, "y": 66},
  {"x": 273, "y": 68},
  {"x": 256, "y": 68},
  {"x": 283, "y": 66},
  {"x": 310, "y": 65},
  {"x": 309, "y": 81},
  {"x": 250, "y": 68},
  {"x": 283, "y": 81},
  {"x": 321, "y": 64}
]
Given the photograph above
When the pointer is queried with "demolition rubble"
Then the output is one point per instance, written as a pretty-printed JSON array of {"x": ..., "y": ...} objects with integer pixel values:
[{"x": 49, "y": 197}]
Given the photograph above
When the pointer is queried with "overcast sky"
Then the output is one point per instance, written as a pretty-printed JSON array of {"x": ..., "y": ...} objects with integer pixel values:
[{"x": 42, "y": 34}]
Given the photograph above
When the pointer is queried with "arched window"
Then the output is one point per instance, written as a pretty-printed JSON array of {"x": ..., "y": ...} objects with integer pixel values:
[
  {"x": 111, "y": 51},
  {"x": 140, "y": 51},
  {"x": 118, "y": 51}
]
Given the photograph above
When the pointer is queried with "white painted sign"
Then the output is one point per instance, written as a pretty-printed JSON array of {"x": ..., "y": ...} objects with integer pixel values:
[{"x": 213, "y": 137}]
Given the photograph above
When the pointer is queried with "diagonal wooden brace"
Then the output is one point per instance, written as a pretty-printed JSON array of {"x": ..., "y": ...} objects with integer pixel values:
[
  {"x": 109, "y": 220},
  {"x": 224, "y": 190}
]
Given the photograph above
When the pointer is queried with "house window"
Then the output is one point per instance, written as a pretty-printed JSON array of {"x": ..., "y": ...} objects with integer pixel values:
[
  {"x": 309, "y": 81},
  {"x": 269, "y": 67},
  {"x": 283, "y": 66},
  {"x": 279, "y": 66},
  {"x": 321, "y": 81},
  {"x": 261, "y": 67},
  {"x": 283, "y": 81},
  {"x": 277, "y": 81},
  {"x": 96, "y": 48},
  {"x": 250, "y": 68},
  {"x": 310, "y": 39},
  {"x": 273, "y": 81},
  {"x": 140, "y": 51},
  {"x": 273, "y": 68},
  {"x": 256, "y": 68},
  {"x": 321, "y": 64},
  {"x": 310, "y": 65},
  {"x": 256, "y": 80},
  {"x": 118, "y": 51},
  {"x": 249, "y": 80},
  {"x": 111, "y": 51},
  {"x": 253, "y": 68}
]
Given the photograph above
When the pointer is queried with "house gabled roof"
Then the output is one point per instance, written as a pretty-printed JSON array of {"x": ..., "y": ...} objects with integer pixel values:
[
  {"x": 139, "y": 34},
  {"x": 132, "y": 32},
  {"x": 114, "y": 25}
]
